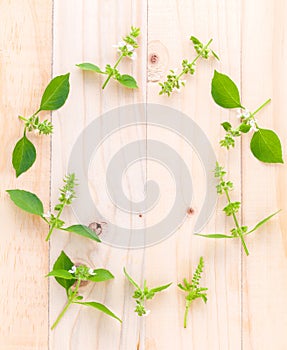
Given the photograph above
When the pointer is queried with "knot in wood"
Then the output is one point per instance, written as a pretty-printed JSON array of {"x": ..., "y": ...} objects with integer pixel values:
[{"x": 157, "y": 61}]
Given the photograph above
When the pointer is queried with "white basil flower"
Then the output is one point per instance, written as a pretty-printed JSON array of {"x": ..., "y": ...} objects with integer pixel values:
[
  {"x": 120, "y": 44},
  {"x": 146, "y": 313},
  {"x": 73, "y": 269},
  {"x": 91, "y": 272},
  {"x": 47, "y": 215},
  {"x": 130, "y": 48},
  {"x": 68, "y": 194},
  {"x": 133, "y": 56},
  {"x": 246, "y": 114},
  {"x": 252, "y": 123}
]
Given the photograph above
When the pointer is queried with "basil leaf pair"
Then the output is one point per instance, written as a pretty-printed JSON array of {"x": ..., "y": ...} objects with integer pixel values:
[
  {"x": 265, "y": 144},
  {"x": 54, "y": 97}
]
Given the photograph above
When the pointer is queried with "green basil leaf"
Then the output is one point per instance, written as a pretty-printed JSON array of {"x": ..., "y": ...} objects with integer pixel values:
[
  {"x": 64, "y": 263},
  {"x": 244, "y": 128},
  {"x": 101, "y": 275},
  {"x": 214, "y": 235},
  {"x": 224, "y": 91},
  {"x": 159, "y": 289},
  {"x": 24, "y": 155},
  {"x": 181, "y": 287},
  {"x": 131, "y": 280},
  {"x": 61, "y": 274},
  {"x": 90, "y": 67},
  {"x": 127, "y": 81},
  {"x": 84, "y": 231},
  {"x": 226, "y": 126},
  {"x": 27, "y": 201},
  {"x": 266, "y": 146},
  {"x": 203, "y": 297},
  {"x": 56, "y": 93},
  {"x": 195, "y": 41},
  {"x": 262, "y": 222},
  {"x": 100, "y": 307}
]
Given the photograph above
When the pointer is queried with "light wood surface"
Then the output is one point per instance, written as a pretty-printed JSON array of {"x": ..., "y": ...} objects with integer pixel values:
[
  {"x": 25, "y": 69},
  {"x": 247, "y": 307}
]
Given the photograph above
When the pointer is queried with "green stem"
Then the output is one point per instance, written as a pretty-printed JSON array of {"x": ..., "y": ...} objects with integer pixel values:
[
  {"x": 22, "y": 118},
  {"x": 187, "y": 306},
  {"x": 196, "y": 58},
  {"x": 236, "y": 222},
  {"x": 45, "y": 219},
  {"x": 61, "y": 314},
  {"x": 261, "y": 107},
  {"x": 53, "y": 225},
  {"x": 33, "y": 115},
  {"x": 26, "y": 120},
  {"x": 50, "y": 232},
  {"x": 68, "y": 304},
  {"x": 111, "y": 74}
]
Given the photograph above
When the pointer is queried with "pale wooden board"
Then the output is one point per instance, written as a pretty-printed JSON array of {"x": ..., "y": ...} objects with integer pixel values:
[
  {"x": 264, "y": 187},
  {"x": 25, "y": 69},
  {"x": 246, "y": 295},
  {"x": 221, "y": 318},
  {"x": 92, "y": 28}
]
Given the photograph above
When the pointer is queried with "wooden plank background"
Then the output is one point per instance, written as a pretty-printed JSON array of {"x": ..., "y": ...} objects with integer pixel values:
[{"x": 247, "y": 306}]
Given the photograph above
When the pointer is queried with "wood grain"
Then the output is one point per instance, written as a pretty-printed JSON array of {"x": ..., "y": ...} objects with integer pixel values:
[
  {"x": 220, "y": 318},
  {"x": 92, "y": 28},
  {"x": 264, "y": 186},
  {"x": 25, "y": 61}
]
